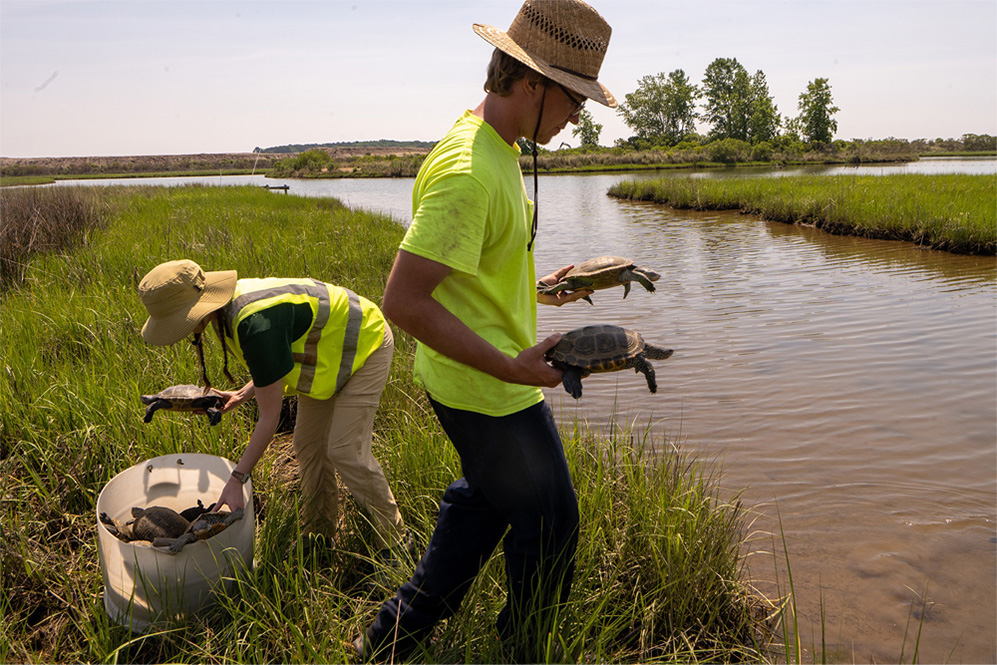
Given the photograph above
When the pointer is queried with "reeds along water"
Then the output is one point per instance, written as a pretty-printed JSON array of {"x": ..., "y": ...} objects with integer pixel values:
[
  {"x": 38, "y": 221},
  {"x": 658, "y": 568},
  {"x": 951, "y": 212}
]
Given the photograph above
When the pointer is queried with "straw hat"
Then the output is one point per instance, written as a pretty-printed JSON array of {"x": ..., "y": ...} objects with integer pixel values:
[
  {"x": 565, "y": 40},
  {"x": 177, "y": 295}
]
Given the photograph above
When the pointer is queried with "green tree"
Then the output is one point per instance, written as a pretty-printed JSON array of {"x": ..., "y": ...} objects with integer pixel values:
[
  {"x": 587, "y": 130},
  {"x": 727, "y": 92},
  {"x": 816, "y": 123},
  {"x": 979, "y": 142},
  {"x": 763, "y": 123},
  {"x": 663, "y": 108},
  {"x": 526, "y": 146}
]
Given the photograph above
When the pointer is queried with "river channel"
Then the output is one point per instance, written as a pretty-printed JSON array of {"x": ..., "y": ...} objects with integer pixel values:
[{"x": 845, "y": 389}]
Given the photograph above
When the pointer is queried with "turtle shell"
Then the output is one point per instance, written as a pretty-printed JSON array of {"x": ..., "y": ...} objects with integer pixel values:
[
  {"x": 179, "y": 395},
  {"x": 598, "y": 348},
  {"x": 602, "y": 269}
]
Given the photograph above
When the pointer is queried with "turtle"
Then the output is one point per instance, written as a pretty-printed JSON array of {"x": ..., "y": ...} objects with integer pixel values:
[
  {"x": 151, "y": 524},
  {"x": 603, "y": 348},
  {"x": 186, "y": 398},
  {"x": 205, "y": 526},
  {"x": 602, "y": 272}
]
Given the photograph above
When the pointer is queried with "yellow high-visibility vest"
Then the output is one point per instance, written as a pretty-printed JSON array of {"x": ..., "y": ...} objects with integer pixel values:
[{"x": 346, "y": 329}]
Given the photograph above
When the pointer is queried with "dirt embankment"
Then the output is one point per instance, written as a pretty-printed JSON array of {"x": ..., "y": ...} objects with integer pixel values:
[
  {"x": 68, "y": 166},
  {"x": 56, "y": 166}
]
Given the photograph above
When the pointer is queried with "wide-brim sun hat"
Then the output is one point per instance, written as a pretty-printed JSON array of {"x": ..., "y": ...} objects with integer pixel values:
[
  {"x": 177, "y": 295},
  {"x": 565, "y": 40}
]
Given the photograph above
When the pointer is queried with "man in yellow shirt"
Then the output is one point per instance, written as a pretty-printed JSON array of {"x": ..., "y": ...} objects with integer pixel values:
[{"x": 463, "y": 284}]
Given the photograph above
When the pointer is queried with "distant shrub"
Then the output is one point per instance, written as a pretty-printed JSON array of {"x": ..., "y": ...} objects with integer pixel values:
[
  {"x": 729, "y": 151},
  {"x": 761, "y": 152}
]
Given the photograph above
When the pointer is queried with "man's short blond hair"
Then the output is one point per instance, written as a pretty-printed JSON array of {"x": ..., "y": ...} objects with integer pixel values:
[{"x": 504, "y": 71}]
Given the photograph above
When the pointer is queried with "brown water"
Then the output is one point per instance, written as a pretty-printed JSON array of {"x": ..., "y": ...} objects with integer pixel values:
[{"x": 847, "y": 388}]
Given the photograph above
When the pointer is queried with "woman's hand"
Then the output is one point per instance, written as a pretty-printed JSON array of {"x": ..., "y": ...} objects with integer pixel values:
[
  {"x": 235, "y": 398},
  {"x": 231, "y": 495}
]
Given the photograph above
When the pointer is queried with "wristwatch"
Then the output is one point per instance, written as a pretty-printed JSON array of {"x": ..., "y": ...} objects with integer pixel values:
[{"x": 240, "y": 476}]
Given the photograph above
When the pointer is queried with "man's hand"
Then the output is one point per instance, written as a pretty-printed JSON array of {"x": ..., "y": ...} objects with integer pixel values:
[
  {"x": 561, "y": 297},
  {"x": 530, "y": 366}
]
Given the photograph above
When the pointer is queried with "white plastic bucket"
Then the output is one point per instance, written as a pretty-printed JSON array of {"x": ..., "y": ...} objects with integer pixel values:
[{"x": 142, "y": 584}]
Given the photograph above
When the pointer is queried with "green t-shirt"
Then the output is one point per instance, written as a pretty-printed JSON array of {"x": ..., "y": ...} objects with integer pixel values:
[
  {"x": 471, "y": 213},
  {"x": 265, "y": 338}
]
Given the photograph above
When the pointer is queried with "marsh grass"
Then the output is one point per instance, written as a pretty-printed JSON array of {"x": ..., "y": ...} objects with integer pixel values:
[
  {"x": 956, "y": 213},
  {"x": 35, "y": 221},
  {"x": 659, "y": 574}
]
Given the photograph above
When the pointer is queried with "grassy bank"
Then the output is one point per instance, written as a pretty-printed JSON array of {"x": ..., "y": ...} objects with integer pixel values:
[
  {"x": 957, "y": 213},
  {"x": 317, "y": 163},
  {"x": 660, "y": 564}
]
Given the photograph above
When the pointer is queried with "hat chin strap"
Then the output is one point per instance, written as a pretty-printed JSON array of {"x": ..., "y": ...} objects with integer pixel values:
[{"x": 536, "y": 131}]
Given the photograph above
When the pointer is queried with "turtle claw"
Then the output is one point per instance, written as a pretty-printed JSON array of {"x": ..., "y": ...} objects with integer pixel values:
[
  {"x": 572, "y": 380},
  {"x": 214, "y": 416}
]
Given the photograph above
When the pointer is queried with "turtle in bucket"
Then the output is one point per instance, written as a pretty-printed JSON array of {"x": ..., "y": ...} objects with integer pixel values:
[
  {"x": 205, "y": 526},
  {"x": 164, "y": 527},
  {"x": 603, "y": 348},
  {"x": 148, "y": 524},
  {"x": 186, "y": 398},
  {"x": 602, "y": 272}
]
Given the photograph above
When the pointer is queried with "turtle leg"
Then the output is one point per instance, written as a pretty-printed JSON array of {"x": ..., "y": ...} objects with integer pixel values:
[
  {"x": 553, "y": 289},
  {"x": 566, "y": 286},
  {"x": 233, "y": 516},
  {"x": 155, "y": 406},
  {"x": 640, "y": 277},
  {"x": 572, "y": 380},
  {"x": 214, "y": 415},
  {"x": 626, "y": 289},
  {"x": 640, "y": 364},
  {"x": 117, "y": 529},
  {"x": 179, "y": 543}
]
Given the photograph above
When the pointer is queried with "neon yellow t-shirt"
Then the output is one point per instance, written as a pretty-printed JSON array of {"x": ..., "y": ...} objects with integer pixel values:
[{"x": 471, "y": 213}]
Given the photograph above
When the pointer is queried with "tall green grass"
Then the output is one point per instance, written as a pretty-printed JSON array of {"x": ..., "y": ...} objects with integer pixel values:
[
  {"x": 659, "y": 574},
  {"x": 37, "y": 221},
  {"x": 957, "y": 213}
]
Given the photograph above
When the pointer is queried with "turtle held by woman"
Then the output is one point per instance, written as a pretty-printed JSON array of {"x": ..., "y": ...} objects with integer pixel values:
[
  {"x": 186, "y": 398},
  {"x": 603, "y": 348},
  {"x": 602, "y": 272}
]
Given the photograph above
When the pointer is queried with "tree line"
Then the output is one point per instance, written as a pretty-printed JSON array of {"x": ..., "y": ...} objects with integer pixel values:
[{"x": 663, "y": 110}]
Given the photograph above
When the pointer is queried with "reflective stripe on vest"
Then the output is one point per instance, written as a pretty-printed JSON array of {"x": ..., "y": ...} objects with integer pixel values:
[
  {"x": 353, "y": 322},
  {"x": 308, "y": 358}
]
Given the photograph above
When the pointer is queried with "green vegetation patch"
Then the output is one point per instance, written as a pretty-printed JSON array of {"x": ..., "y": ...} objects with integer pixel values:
[
  {"x": 659, "y": 568},
  {"x": 957, "y": 213}
]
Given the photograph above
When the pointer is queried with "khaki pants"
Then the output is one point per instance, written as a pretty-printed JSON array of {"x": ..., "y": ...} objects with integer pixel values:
[{"x": 334, "y": 435}]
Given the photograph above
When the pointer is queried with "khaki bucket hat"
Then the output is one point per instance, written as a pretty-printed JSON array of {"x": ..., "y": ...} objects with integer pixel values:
[
  {"x": 565, "y": 40},
  {"x": 177, "y": 295}
]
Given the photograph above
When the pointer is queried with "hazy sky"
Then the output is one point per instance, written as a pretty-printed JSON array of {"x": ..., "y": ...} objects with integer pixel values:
[{"x": 142, "y": 77}]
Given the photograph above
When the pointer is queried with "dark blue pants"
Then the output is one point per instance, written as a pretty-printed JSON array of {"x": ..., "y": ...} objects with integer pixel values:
[{"x": 516, "y": 484}]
